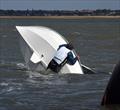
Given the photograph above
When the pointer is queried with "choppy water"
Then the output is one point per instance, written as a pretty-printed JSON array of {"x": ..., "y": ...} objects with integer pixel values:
[{"x": 96, "y": 40}]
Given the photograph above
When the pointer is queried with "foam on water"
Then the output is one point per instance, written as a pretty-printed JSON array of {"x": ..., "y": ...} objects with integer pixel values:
[{"x": 3, "y": 84}]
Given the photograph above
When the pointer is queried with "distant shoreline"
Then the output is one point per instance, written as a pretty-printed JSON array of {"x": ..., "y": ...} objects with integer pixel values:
[{"x": 59, "y": 17}]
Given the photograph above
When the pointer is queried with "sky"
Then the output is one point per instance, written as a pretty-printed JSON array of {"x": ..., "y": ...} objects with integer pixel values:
[{"x": 59, "y": 4}]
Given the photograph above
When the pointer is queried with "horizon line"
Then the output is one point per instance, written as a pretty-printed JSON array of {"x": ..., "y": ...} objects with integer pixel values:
[{"x": 61, "y": 9}]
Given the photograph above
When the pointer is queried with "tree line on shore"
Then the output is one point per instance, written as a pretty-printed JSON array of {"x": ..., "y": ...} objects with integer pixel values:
[{"x": 98, "y": 12}]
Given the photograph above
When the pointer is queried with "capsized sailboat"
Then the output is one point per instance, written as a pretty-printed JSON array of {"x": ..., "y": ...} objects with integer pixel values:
[{"x": 41, "y": 45}]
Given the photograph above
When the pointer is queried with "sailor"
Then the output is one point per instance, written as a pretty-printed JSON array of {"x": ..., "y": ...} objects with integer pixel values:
[{"x": 63, "y": 55}]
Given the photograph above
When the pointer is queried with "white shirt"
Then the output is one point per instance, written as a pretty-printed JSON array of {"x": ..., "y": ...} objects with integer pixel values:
[{"x": 61, "y": 54}]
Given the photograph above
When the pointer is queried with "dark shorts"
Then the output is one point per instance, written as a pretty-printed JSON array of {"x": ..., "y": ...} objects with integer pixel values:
[{"x": 54, "y": 66}]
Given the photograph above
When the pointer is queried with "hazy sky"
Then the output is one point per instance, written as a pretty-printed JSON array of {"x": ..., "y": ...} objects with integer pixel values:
[{"x": 59, "y": 4}]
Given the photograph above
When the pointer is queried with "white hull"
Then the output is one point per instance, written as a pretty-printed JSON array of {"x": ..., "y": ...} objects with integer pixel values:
[{"x": 43, "y": 43}]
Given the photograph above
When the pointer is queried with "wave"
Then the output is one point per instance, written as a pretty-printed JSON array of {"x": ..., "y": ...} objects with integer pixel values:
[
  {"x": 12, "y": 66},
  {"x": 4, "y": 36}
]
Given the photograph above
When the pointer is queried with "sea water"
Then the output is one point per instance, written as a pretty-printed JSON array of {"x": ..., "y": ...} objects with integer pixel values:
[{"x": 97, "y": 41}]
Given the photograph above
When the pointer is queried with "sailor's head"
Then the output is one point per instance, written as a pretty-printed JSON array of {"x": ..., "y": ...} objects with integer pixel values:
[{"x": 70, "y": 46}]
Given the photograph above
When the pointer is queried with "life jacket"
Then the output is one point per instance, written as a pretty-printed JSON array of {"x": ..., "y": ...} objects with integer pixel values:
[{"x": 61, "y": 55}]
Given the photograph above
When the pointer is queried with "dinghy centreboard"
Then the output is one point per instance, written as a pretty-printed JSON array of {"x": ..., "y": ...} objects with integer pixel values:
[{"x": 44, "y": 42}]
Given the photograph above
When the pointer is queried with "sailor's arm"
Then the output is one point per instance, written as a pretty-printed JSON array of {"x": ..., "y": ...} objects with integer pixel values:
[{"x": 71, "y": 59}]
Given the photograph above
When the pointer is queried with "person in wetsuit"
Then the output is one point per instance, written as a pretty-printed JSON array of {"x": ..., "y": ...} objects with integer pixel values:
[{"x": 63, "y": 55}]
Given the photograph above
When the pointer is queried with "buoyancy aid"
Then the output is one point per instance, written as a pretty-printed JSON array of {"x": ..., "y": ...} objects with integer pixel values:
[{"x": 61, "y": 55}]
